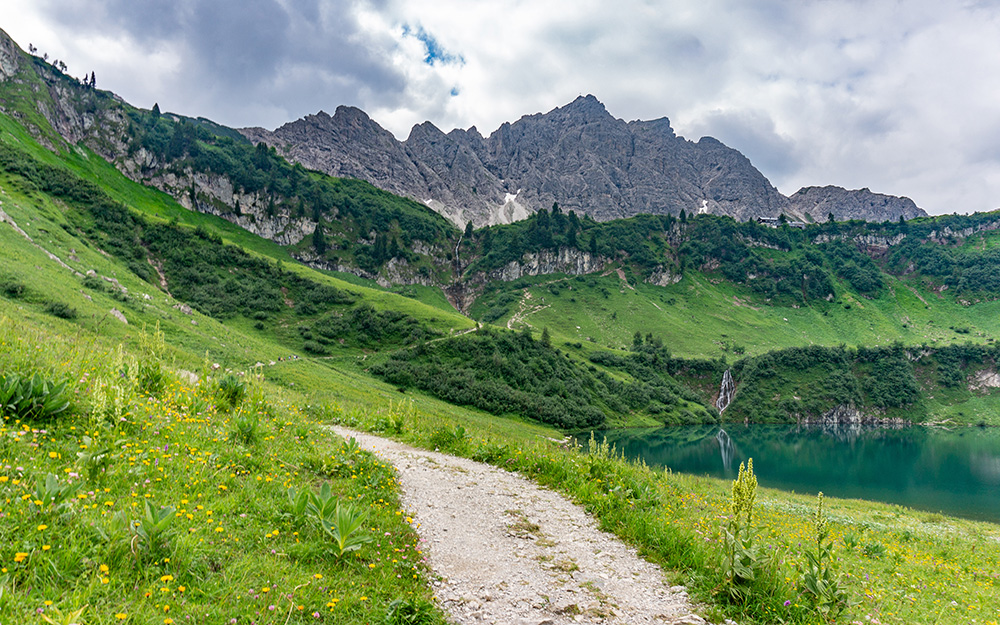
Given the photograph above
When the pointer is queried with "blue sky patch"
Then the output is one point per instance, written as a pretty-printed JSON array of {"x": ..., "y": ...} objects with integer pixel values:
[{"x": 433, "y": 52}]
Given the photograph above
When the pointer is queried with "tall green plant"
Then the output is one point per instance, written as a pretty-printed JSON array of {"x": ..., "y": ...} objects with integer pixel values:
[
  {"x": 820, "y": 582},
  {"x": 741, "y": 560}
]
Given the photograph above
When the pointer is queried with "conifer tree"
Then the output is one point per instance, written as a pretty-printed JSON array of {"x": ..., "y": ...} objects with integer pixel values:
[{"x": 319, "y": 239}]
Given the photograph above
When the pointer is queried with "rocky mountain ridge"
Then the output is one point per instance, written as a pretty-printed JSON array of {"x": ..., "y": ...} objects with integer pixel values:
[
  {"x": 578, "y": 156},
  {"x": 819, "y": 202}
]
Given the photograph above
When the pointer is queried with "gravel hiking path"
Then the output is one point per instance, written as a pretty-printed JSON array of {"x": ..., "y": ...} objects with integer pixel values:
[{"x": 508, "y": 552}]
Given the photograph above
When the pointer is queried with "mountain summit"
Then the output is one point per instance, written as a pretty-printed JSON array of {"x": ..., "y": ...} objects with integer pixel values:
[{"x": 577, "y": 155}]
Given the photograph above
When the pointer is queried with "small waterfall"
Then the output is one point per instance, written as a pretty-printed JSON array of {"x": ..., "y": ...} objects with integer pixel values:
[
  {"x": 726, "y": 391},
  {"x": 726, "y": 448}
]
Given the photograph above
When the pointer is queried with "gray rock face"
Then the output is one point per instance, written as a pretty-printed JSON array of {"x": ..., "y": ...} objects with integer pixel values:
[
  {"x": 577, "y": 155},
  {"x": 846, "y": 204},
  {"x": 10, "y": 57},
  {"x": 566, "y": 260}
]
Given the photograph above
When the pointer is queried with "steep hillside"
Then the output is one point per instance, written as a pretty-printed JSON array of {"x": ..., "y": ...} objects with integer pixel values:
[{"x": 336, "y": 224}]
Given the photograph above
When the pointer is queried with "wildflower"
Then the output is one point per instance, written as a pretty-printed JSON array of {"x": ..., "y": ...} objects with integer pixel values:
[
  {"x": 121, "y": 616},
  {"x": 43, "y": 527},
  {"x": 19, "y": 557}
]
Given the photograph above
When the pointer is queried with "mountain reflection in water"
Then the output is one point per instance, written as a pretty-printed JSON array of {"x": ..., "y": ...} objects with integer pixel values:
[{"x": 953, "y": 471}]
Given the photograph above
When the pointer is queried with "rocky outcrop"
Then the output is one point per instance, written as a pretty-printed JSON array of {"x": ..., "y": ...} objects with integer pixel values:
[
  {"x": 868, "y": 240},
  {"x": 946, "y": 234},
  {"x": 664, "y": 276},
  {"x": 849, "y": 415},
  {"x": 820, "y": 202},
  {"x": 984, "y": 381},
  {"x": 565, "y": 260},
  {"x": 10, "y": 57},
  {"x": 214, "y": 194},
  {"x": 577, "y": 155}
]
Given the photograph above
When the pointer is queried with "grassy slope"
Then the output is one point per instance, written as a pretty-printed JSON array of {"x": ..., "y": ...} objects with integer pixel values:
[
  {"x": 702, "y": 317},
  {"x": 157, "y": 205}
]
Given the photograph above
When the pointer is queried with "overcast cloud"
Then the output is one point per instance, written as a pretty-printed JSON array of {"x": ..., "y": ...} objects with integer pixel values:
[{"x": 900, "y": 97}]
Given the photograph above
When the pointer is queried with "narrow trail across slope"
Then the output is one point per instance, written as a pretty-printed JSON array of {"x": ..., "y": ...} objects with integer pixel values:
[{"x": 511, "y": 553}]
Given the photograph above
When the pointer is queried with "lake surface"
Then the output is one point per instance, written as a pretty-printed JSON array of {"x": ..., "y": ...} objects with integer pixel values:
[{"x": 956, "y": 472}]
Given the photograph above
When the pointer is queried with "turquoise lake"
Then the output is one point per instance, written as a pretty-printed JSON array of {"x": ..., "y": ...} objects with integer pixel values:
[{"x": 956, "y": 472}]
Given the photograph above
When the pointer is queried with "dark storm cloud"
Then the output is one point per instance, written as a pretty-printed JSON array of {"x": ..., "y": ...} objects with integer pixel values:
[{"x": 294, "y": 56}]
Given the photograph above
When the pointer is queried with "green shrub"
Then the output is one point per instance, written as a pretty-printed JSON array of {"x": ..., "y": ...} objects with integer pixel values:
[
  {"x": 32, "y": 399},
  {"x": 245, "y": 426},
  {"x": 61, "y": 310},
  {"x": 314, "y": 347},
  {"x": 94, "y": 284},
  {"x": 450, "y": 439},
  {"x": 151, "y": 378},
  {"x": 11, "y": 287},
  {"x": 230, "y": 391}
]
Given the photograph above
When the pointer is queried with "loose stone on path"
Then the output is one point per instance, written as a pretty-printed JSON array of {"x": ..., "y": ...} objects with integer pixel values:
[{"x": 512, "y": 553}]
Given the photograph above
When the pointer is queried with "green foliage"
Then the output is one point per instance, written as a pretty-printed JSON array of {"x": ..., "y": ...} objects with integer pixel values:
[
  {"x": 11, "y": 287},
  {"x": 153, "y": 529},
  {"x": 245, "y": 425},
  {"x": 345, "y": 524},
  {"x": 449, "y": 439},
  {"x": 51, "y": 496},
  {"x": 409, "y": 611},
  {"x": 820, "y": 583},
  {"x": 61, "y": 310},
  {"x": 95, "y": 460},
  {"x": 32, "y": 399},
  {"x": 655, "y": 389},
  {"x": 890, "y": 382},
  {"x": 230, "y": 390},
  {"x": 363, "y": 326},
  {"x": 58, "y": 617},
  {"x": 357, "y": 205},
  {"x": 505, "y": 373},
  {"x": 806, "y": 382},
  {"x": 741, "y": 560}
]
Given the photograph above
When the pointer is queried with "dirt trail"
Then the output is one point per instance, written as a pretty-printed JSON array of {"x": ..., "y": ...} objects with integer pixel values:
[
  {"x": 511, "y": 553},
  {"x": 524, "y": 309}
]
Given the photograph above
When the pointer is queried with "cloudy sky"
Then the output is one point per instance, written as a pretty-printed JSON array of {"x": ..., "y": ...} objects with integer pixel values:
[{"x": 901, "y": 96}]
